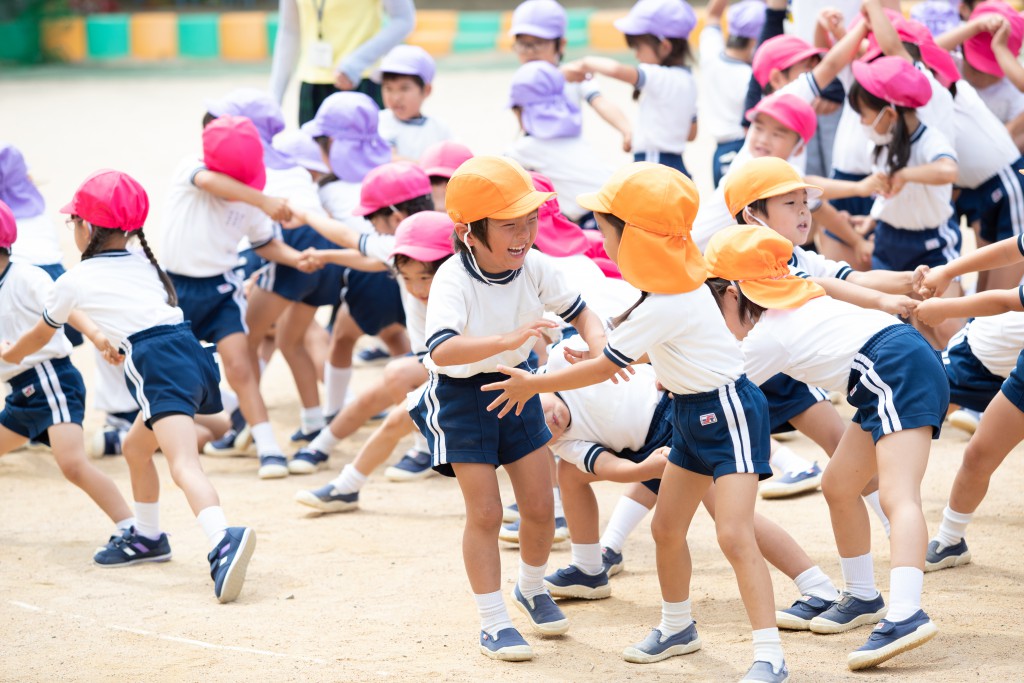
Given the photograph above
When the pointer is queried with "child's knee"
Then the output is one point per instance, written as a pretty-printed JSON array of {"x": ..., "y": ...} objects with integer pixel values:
[
  {"x": 736, "y": 539},
  {"x": 486, "y": 516},
  {"x": 73, "y": 469},
  {"x": 540, "y": 511},
  {"x": 237, "y": 369},
  {"x": 667, "y": 531}
]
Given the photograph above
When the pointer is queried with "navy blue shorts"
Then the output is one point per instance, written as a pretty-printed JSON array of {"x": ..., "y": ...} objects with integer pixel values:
[
  {"x": 214, "y": 305},
  {"x": 721, "y": 432},
  {"x": 998, "y": 203},
  {"x": 901, "y": 250},
  {"x": 374, "y": 300},
  {"x": 50, "y": 393},
  {"x": 725, "y": 152},
  {"x": 665, "y": 159},
  {"x": 971, "y": 385},
  {"x": 249, "y": 262},
  {"x": 659, "y": 435},
  {"x": 170, "y": 373},
  {"x": 855, "y": 206},
  {"x": 322, "y": 288},
  {"x": 1013, "y": 387},
  {"x": 788, "y": 398},
  {"x": 898, "y": 383},
  {"x": 452, "y": 414},
  {"x": 55, "y": 270}
]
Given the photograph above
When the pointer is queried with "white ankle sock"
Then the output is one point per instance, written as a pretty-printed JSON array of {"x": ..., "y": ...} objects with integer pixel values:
[
  {"x": 125, "y": 524},
  {"x": 266, "y": 442},
  {"x": 768, "y": 647},
  {"x": 953, "y": 526},
  {"x": 904, "y": 592},
  {"x": 493, "y": 613},
  {"x": 325, "y": 441},
  {"x": 419, "y": 442},
  {"x": 559, "y": 512},
  {"x": 229, "y": 400},
  {"x": 311, "y": 419},
  {"x": 675, "y": 617},
  {"x": 147, "y": 519},
  {"x": 531, "y": 579},
  {"x": 587, "y": 557},
  {"x": 816, "y": 583},
  {"x": 350, "y": 480},
  {"x": 789, "y": 462},
  {"x": 335, "y": 387},
  {"x": 876, "y": 505},
  {"x": 627, "y": 514},
  {"x": 213, "y": 523},
  {"x": 859, "y": 576}
]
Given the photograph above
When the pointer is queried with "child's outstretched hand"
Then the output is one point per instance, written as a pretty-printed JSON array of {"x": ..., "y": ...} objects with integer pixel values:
[
  {"x": 876, "y": 183},
  {"x": 5, "y": 348},
  {"x": 106, "y": 349},
  {"x": 654, "y": 466},
  {"x": 311, "y": 261},
  {"x": 513, "y": 340},
  {"x": 515, "y": 391},
  {"x": 276, "y": 208},
  {"x": 573, "y": 356},
  {"x": 898, "y": 304},
  {"x": 296, "y": 219},
  {"x": 831, "y": 20},
  {"x": 575, "y": 71},
  {"x": 917, "y": 278},
  {"x": 931, "y": 312},
  {"x": 934, "y": 283}
]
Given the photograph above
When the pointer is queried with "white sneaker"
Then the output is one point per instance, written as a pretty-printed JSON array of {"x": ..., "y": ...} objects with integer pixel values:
[{"x": 965, "y": 419}]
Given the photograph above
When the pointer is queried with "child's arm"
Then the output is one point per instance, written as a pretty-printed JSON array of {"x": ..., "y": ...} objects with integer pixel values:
[
  {"x": 336, "y": 231},
  {"x": 714, "y": 12},
  {"x": 226, "y": 187},
  {"x": 1007, "y": 252},
  {"x": 277, "y": 251},
  {"x": 606, "y": 66},
  {"x": 942, "y": 171},
  {"x": 350, "y": 258},
  {"x": 890, "y": 282},
  {"x": 29, "y": 343},
  {"x": 993, "y": 302},
  {"x": 1007, "y": 60},
  {"x": 521, "y": 385},
  {"x": 838, "y": 223},
  {"x": 459, "y": 349},
  {"x": 876, "y": 183},
  {"x": 81, "y": 322},
  {"x": 841, "y": 54},
  {"x": 610, "y": 112},
  {"x": 843, "y": 290},
  {"x": 609, "y": 467},
  {"x": 885, "y": 33},
  {"x": 952, "y": 39}
]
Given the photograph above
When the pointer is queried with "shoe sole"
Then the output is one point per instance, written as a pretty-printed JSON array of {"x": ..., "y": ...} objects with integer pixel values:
[
  {"x": 579, "y": 592},
  {"x": 948, "y": 562},
  {"x": 825, "y": 627},
  {"x": 509, "y": 516},
  {"x": 790, "y": 622},
  {"x": 513, "y": 538},
  {"x": 864, "y": 660},
  {"x": 758, "y": 680},
  {"x": 514, "y": 653},
  {"x": 964, "y": 424},
  {"x": 302, "y": 467},
  {"x": 614, "y": 569},
  {"x": 635, "y": 656},
  {"x": 309, "y": 499},
  {"x": 235, "y": 577},
  {"x": 140, "y": 560},
  {"x": 775, "y": 491},
  {"x": 554, "y": 628},
  {"x": 230, "y": 452},
  {"x": 273, "y": 472},
  {"x": 395, "y": 474}
]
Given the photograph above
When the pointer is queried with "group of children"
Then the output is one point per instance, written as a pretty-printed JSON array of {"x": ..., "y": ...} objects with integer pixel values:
[{"x": 517, "y": 323}]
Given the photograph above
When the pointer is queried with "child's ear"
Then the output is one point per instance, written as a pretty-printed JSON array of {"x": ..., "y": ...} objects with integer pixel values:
[
  {"x": 427, "y": 89},
  {"x": 462, "y": 233},
  {"x": 664, "y": 48}
]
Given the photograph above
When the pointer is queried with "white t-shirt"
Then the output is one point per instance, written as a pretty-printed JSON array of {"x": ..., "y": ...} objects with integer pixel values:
[
  {"x": 296, "y": 185},
  {"x": 983, "y": 144},
  {"x": 686, "y": 339},
  {"x": 462, "y": 303},
  {"x": 723, "y": 88},
  {"x": 938, "y": 113},
  {"x": 666, "y": 110},
  {"x": 583, "y": 91},
  {"x": 918, "y": 206},
  {"x": 38, "y": 242},
  {"x": 808, "y": 264},
  {"x": 409, "y": 139},
  {"x": 815, "y": 343},
  {"x": 120, "y": 291},
  {"x": 605, "y": 296},
  {"x": 572, "y": 165},
  {"x": 201, "y": 232},
  {"x": 997, "y": 341},
  {"x": 1003, "y": 98},
  {"x": 23, "y": 292},
  {"x": 851, "y": 150},
  {"x": 339, "y": 199},
  {"x": 379, "y": 246}
]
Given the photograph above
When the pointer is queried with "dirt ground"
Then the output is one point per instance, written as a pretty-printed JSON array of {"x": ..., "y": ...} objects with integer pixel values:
[{"x": 380, "y": 594}]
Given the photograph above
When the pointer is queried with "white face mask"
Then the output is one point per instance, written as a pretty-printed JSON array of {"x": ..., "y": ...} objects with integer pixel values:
[{"x": 880, "y": 139}]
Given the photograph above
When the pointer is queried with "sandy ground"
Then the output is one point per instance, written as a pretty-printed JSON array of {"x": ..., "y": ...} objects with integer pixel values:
[{"x": 380, "y": 594}]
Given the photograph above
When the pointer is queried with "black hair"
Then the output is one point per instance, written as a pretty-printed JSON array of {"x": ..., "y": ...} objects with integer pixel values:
[
  {"x": 899, "y": 148},
  {"x": 100, "y": 236},
  {"x": 325, "y": 146},
  {"x": 679, "y": 55},
  {"x": 430, "y": 266},
  {"x": 408, "y": 207},
  {"x": 748, "y": 310},
  {"x": 479, "y": 230},
  {"x": 6, "y": 251},
  {"x": 738, "y": 42},
  {"x": 757, "y": 206},
  {"x": 389, "y": 76},
  {"x": 208, "y": 118},
  {"x": 620, "y": 226}
]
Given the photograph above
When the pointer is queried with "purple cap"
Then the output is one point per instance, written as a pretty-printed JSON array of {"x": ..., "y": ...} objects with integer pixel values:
[
  {"x": 16, "y": 189},
  {"x": 265, "y": 113},
  {"x": 746, "y": 19},
  {"x": 661, "y": 18},
  {"x": 302, "y": 148},
  {"x": 538, "y": 89},
  {"x": 938, "y": 15},
  {"x": 541, "y": 18},
  {"x": 350, "y": 120},
  {"x": 408, "y": 60}
]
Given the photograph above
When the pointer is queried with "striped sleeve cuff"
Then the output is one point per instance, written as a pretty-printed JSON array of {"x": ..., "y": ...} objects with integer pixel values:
[
  {"x": 813, "y": 83},
  {"x": 192, "y": 176},
  {"x": 617, "y": 357},
  {"x": 1020, "y": 293},
  {"x": 844, "y": 272},
  {"x": 592, "y": 96},
  {"x": 574, "y": 310},
  {"x": 362, "y": 243},
  {"x": 440, "y": 336},
  {"x": 945, "y": 156},
  {"x": 801, "y": 273},
  {"x": 1020, "y": 244},
  {"x": 641, "y": 79},
  {"x": 591, "y": 457},
  {"x": 50, "y": 321}
]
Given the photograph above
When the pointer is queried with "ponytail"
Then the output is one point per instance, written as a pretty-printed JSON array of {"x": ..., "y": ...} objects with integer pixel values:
[
  {"x": 172, "y": 295},
  {"x": 99, "y": 239},
  {"x": 899, "y": 148}
]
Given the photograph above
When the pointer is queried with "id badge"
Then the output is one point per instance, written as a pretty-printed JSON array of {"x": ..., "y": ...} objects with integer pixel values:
[{"x": 321, "y": 55}]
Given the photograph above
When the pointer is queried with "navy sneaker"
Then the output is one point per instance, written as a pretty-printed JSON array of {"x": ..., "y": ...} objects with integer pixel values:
[
  {"x": 798, "y": 617},
  {"x": 413, "y": 465},
  {"x": 327, "y": 499},
  {"x": 573, "y": 582},
  {"x": 234, "y": 442},
  {"x": 792, "y": 483},
  {"x": 510, "y": 532},
  {"x": 307, "y": 461},
  {"x": 510, "y": 513},
  {"x": 951, "y": 556},
  {"x": 890, "y": 638},
  {"x": 847, "y": 613},
  {"x": 544, "y": 615},
  {"x": 272, "y": 466},
  {"x": 764, "y": 672},
  {"x": 508, "y": 646},
  {"x": 612, "y": 561},
  {"x": 373, "y": 355},
  {"x": 304, "y": 437},
  {"x": 229, "y": 560},
  {"x": 105, "y": 443},
  {"x": 132, "y": 547},
  {"x": 656, "y": 647}
]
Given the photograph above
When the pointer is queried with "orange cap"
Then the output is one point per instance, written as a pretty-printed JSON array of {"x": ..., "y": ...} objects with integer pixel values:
[
  {"x": 658, "y": 205},
  {"x": 756, "y": 258},
  {"x": 491, "y": 187},
  {"x": 760, "y": 179}
]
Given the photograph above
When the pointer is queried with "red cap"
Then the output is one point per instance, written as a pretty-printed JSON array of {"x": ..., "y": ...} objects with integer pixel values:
[
  {"x": 978, "y": 48},
  {"x": 556, "y": 234},
  {"x": 894, "y": 80},
  {"x": 111, "y": 199},
  {"x": 781, "y": 52},
  {"x": 231, "y": 145},
  {"x": 442, "y": 158},
  {"x": 425, "y": 236},
  {"x": 8, "y": 226},
  {"x": 389, "y": 184},
  {"x": 790, "y": 111}
]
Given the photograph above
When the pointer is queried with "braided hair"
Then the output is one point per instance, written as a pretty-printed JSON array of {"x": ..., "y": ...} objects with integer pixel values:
[{"x": 100, "y": 237}]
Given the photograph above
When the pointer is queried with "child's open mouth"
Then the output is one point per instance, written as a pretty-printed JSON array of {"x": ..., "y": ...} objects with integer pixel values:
[{"x": 517, "y": 252}]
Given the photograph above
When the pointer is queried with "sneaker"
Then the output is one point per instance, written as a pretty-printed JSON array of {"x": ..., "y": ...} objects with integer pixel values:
[
  {"x": 234, "y": 442},
  {"x": 950, "y": 556},
  {"x": 890, "y": 638},
  {"x": 229, "y": 560},
  {"x": 413, "y": 465},
  {"x": 847, "y": 613},
  {"x": 656, "y": 647},
  {"x": 373, "y": 356},
  {"x": 132, "y": 547},
  {"x": 273, "y": 467},
  {"x": 792, "y": 483},
  {"x": 573, "y": 582},
  {"x": 764, "y": 672},
  {"x": 798, "y": 617},
  {"x": 508, "y": 646},
  {"x": 105, "y": 443},
  {"x": 544, "y": 615},
  {"x": 510, "y": 513},
  {"x": 965, "y": 419},
  {"x": 304, "y": 437},
  {"x": 510, "y": 532},
  {"x": 612, "y": 561},
  {"x": 561, "y": 530},
  {"x": 306, "y": 461},
  {"x": 327, "y": 499}
]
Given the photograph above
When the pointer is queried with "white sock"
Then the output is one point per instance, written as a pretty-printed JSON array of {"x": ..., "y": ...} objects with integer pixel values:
[
  {"x": 493, "y": 614},
  {"x": 675, "y": 617},
  {"x": 876, "y": 505},
  {"x": 229, "y": 400},
  {"x": 419, "y": 442},
  {"x": 953, "y": 527},
  {"x": 266, "y": 442},
  {"x": 125, "y": 524},
  {"x": 904, "y": 592},
  {"x": 325, "y": 441},
  {"x": 859, "y": 576},
  {"x": 559, "y": 512},
  {"x": 350, "y": 480},
  {"x": 768, "y": 647},
  {"x": 816, "y": 583},
  {"x": 311, "y": 419},
  {"x": 587, "y": 557},
  {"x": 627, "y": 514},
  {"x": 784, "y": 459},
  {"x": 531, "y": 580},
  {"x": 213, "y": 523},
  {"x": 147, "y": 520},
  {"x": 335, "y": 387}
]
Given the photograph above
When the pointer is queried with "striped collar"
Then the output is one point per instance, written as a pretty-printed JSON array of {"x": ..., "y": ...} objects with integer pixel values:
[
  {"x": 111, "y": 253},
  {"x": 414, "y": 121},
  {"x": 488, "y": 278},
  {"x": 3, "y": 275},
  {"x": 918, "y": 133}
]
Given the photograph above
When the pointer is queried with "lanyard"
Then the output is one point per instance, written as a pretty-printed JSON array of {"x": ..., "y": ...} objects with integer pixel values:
[{"x": 319, "y": 5}]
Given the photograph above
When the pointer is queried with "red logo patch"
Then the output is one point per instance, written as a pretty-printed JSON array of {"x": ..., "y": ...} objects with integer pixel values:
[
  {"x": 708, "y": 419},
  {"x": 28, "y": 391}
]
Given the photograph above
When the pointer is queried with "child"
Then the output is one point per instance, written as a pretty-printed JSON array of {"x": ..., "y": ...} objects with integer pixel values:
[
  {"x": 439, "y": 161},
  {"x": 720, "y": 419},
  {"x": 132, "y": 302},
  {"x": 406, "y": 78},
  {"x": 895, "y": 382}
]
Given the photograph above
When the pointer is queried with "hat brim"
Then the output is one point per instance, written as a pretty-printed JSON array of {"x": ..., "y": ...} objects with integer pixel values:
[
  {"x": 526, "y": 204},
  {"x": 786, "y": 292},
  {"x": 69, "y": 208},
  {"x": 660, "y": 264},
  {"x": 312, "y": 129},
  {"x": 423, "y": 254},
  {"x": 799, "y": 57},
  {"x": 593, "y": 201},
  {"x": 439, "y": 172},
  {"x": 544, "y": 33}
]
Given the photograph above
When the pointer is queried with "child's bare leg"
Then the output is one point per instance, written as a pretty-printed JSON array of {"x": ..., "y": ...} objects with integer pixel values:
[
  {"x": 138, "y": 448},
  {"x": 68, "y": 446}
]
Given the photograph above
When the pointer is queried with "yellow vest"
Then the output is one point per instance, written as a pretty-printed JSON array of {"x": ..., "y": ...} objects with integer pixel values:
[{"x": 346, "y": 25}]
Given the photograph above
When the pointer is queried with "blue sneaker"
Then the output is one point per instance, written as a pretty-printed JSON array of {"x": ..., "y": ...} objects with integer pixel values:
[
  {"x": 798, "y": 617},
  {"x": 612, "y": 561},
  {"x": 327, "y": 499},
  {"x": 105, "y": 443},
  {"x": 847, "y": 613},
  {"x": 952, "y": 556},
  {"x": 508, "y": 646},
  {"x": 272, "y": 466},
  {"x": 573, "y": 582},
  {"x": 234, "y": 442},
  {"x": 510, "y": 532},
  {"x": 544, "y": 615},
  {"x": 131, "y": 548},
  {"x": 764, "y": 672},
  {"x": 373, "y": 355},
  {"x": 413, "y": 465},
  {"x": 656, "y": 647},
  {"x": 792, "y": 483},
  {"x": 510, "y": 513},
  {"x": 307, "y": 461},
  {"x": 304, "y": 437},
  {"x": 890, "y": 638},
  {"x": 229, "y": 560}
]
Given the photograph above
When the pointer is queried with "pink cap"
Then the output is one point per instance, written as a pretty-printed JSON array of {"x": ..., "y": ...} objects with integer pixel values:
[
  {"x": 8, "y": 226},
  {"x": 978, "y": 48},
  {"x": 425, "y": 236},
  {"x": 916, "y": 33},
  {"x": 442, "y": 158},
  {"x": 894, "y": 80},
  {"x": 231, "y": 145},
  {"x": 389, "y": 184},
  {"x": 556, "y": 234},
  {"x": 790, "y": 111},
  {"x": 781, "y": 52},
  {"x": 112, "y": 199}
]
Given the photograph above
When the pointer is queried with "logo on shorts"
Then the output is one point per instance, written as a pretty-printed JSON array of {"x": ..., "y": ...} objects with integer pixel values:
[
  {"x": 225, "y": 288},
  {"x": 997, "y": 195},
  {"x": 708, "y": 419},
  {"x": 28, "y": 391}
]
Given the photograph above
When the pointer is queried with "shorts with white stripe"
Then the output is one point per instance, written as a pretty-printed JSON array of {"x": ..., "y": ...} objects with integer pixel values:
[
  {"x": 724, "y": 431},
  {"x": 788, "y": 398},
  {"x": 50, "y": 393},
  {"x": 898, "y": 249},
  {"x": 897, "y": 382},
  {"x": 971, "y": 385},
  {"x": 998, "y": 204},
  {"x": 214, "y": 305}
]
